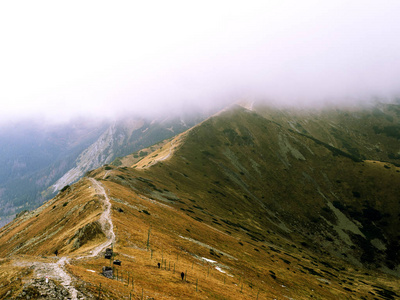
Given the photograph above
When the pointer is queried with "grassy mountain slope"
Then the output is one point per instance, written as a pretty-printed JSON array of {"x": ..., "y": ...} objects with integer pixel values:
[
  {"x": 258, "y": 174},
  {"x": 247, "y": 207},
  {"x": 37, "y": 164},
  {"x": 367, "y": 133},
  {"x": 58, "y": 221}
]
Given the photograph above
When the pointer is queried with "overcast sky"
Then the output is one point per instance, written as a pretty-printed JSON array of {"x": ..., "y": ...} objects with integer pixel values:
[{"x": 67, "y": 58}]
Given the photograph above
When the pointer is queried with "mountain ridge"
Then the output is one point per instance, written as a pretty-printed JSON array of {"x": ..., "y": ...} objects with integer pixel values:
[
  {"x": 91, "y": 149},
  {"x": 245, "y": 205}
]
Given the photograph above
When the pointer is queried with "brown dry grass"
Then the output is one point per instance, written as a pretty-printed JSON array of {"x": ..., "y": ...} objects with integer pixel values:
[
  {"x": 272, "y": 268},
  {"x": 249, "y": 270},
  {"x": 180, "y": 242},
  {"x": 162, "y": 153},
  {"x": 42, "y": 231},
  {"x": 12, "y": 277}
]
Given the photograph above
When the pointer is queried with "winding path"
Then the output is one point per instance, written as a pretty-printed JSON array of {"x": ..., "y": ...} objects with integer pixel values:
[
  {"x": 57, "y": 270},
  {"x": 105, "y": 219},
  {"x": 165, "y": 157}
]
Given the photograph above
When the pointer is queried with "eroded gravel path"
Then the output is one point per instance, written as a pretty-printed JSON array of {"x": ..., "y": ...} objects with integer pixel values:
[
  {"x": 56, "y": 271},
  {"x": 105, "y": 219}
]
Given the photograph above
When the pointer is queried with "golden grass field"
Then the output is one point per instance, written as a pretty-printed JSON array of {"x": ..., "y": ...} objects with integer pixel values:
[
  {"x": 180, "y": 212},
  {"x": 247, "y": 269}
]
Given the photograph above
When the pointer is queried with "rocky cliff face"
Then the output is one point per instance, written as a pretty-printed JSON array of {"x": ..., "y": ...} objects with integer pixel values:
[
  {"x": 75, "y": 154},
  {"x": 120, "y": 139},
  {"x": 97, "y": 154}
]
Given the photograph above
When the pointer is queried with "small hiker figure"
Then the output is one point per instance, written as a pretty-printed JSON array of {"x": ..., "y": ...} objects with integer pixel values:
[
  {"x": 182, "y": 275},
  {"x": 56, "y": 252},
  {"x": 159, "y": 265}
]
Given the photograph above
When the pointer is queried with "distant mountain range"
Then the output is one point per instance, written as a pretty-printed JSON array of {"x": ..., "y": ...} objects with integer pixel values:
[
  {"x": 293, "y": 204},
  {"x": 38, "y": 160}
]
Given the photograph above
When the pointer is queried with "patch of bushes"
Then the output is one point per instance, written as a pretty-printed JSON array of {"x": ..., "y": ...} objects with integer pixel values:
[
  {"x": 272, "y": 274},
  {"x": 393, "y": 156},
  {"x": 213, "y": 253},
  {"x": 207, "y": 153},
  {"x": 21, "y": 213},
  {"x": 67, "y": 187},
  {"x": 143, "y": 153},
  {"x": 390, "y": 131},
  {"x": 117, "y": 162},
  {"x": 338, "y": 205}
]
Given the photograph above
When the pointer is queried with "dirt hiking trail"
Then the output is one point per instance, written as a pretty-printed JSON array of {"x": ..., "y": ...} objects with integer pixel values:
[{"x": 56, "y": 271}]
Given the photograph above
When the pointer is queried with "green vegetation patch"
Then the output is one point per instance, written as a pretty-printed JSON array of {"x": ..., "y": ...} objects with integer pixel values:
[{"x": 390, "y": 131}]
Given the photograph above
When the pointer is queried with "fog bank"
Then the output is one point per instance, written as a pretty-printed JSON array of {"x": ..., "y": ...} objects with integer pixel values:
[{"x": 101, "y": 60}]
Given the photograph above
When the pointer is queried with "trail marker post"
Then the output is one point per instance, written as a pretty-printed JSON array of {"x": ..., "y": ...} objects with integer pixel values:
[{"x": 148, "y": 239}]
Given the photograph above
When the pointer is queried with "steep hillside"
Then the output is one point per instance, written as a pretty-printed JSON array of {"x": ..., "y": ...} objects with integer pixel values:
[
  {"x": 244, "y": 206},
  {"x": 64, "y": 155},
  {"x": 371, "y": 132},
  {"x": 263, "y": 175},
  {"x": 33, "y": 156},
  {"x": 121, "y": 139}
]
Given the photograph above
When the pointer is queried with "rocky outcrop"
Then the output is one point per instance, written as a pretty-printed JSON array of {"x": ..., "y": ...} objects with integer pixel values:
[
  {"x": 87, "y": 233},
  {"x": 100, "y": 152},
  {"x": 40, "y": 289}
]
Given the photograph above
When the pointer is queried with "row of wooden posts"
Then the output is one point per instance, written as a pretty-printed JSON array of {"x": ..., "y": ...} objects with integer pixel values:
[
  {"x": 128, "y": 278},
  {"x": 163, "y": 263}
]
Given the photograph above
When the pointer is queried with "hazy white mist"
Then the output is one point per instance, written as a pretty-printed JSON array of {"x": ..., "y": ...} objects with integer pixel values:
[{"x": 73, "y": 58}]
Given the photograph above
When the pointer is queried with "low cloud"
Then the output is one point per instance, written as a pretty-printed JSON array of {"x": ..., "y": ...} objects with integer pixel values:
[{"x": 77, "y": 59}]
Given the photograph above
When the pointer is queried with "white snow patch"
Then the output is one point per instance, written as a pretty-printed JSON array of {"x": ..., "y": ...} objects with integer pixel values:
[
  {"x": 208, "y": 247},
  {"x": 209, "y": 260}
]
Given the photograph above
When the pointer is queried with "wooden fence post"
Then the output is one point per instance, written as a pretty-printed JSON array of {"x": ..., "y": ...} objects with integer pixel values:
[{"x": 148, "y": 239}]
